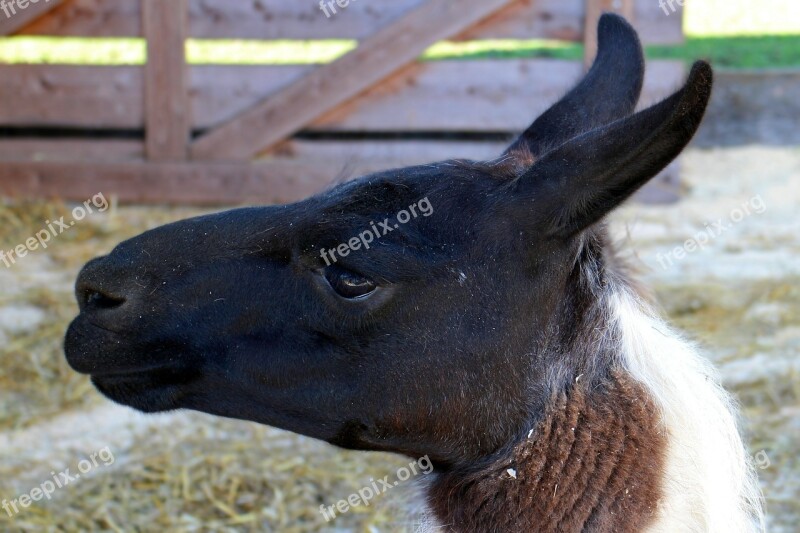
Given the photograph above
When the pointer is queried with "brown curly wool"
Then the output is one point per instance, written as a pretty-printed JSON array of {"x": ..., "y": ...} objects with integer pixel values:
[{"x": 594, "y": 463}]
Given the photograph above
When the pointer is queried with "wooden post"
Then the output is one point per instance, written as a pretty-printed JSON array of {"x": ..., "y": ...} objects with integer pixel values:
[
  {"x": 167, "y": 107},
  {"x": 595, "y": 8}
]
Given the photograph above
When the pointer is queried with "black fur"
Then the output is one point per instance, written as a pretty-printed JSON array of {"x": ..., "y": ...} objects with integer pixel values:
[{"x": 477, "y": 306}]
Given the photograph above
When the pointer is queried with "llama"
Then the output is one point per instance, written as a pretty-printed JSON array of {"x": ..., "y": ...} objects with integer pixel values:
[{"x": 498, "y": 334}]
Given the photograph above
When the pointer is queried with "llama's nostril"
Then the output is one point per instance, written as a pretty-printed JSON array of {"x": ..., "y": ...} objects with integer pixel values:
[
  {"x": 94, "y": 299},
  {"x": 93, "y": 289}
]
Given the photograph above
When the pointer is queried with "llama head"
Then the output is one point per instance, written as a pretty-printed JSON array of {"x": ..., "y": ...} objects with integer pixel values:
[{"x": 417, "y": 310}]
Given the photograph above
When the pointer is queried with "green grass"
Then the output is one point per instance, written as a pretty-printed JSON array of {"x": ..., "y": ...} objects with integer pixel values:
[
  {"x": 775, "y": 51},
  {"x": 739, "y": 34},
  {"x": 751, "y": 52}
]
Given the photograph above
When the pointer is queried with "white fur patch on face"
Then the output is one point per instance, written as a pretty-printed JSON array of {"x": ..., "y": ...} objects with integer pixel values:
[{"x": 710, "y": 484}]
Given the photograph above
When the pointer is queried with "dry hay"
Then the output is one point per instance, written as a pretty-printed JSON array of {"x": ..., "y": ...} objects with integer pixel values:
[
  {"x": 35, "y": 379},
  {"x": 212, "y": 475},
  {"x": 209, "y": 474},
  {"x": 97, "y": 233}
]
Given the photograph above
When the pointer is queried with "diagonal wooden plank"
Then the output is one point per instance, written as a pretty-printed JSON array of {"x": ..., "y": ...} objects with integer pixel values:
[
  {"x": 14, "y": 17},
  {"x": 330, "y": 85}
]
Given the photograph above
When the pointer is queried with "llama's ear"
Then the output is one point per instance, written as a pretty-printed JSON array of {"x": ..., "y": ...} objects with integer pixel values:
[
  {"x": 609, "y": 92},
  {"x": 578, "y": 183}
]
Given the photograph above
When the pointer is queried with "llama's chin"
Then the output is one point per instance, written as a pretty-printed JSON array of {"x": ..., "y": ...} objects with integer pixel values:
[{"x": 149, "y": 392}]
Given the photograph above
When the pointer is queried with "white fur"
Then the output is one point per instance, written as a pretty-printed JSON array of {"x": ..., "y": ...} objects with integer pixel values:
[
  {"x": 710, "y": 483},
  {"x": 412, "y": 503}
]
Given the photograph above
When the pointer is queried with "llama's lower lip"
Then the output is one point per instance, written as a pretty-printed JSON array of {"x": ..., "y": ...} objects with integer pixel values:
[
  {"x": 102, "y": 353},
  {"x": 141, "y": 391},
  {"x": 130, "y": 375},
  {"x": 89, "y": 348}
]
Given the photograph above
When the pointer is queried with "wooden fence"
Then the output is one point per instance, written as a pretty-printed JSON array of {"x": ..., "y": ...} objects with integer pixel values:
[{"x": 220, "y": 134}]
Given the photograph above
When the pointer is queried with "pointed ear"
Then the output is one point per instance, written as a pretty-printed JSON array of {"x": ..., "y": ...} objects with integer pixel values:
[
  {"x": 575, "y": 185},
  {"x": 609, "y": 92}
]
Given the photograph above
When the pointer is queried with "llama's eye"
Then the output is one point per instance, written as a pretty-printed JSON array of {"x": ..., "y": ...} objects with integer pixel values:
[{"x": 348, "y": 284}]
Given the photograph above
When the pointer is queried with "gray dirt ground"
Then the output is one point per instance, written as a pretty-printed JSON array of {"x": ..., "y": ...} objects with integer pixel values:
[{"x": 739, "y": 295}]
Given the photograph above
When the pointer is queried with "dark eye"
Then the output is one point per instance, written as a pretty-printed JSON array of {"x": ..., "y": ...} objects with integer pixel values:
[{"x": 348, "y": 284}]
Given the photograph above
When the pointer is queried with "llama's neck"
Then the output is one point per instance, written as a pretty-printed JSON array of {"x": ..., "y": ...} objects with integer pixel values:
[
  {"x": 594, "y": 462},
  {"x": 655, "y": 447}
]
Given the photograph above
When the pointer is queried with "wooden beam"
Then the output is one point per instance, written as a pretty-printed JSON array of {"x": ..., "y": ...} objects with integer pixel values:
[
  {"x": 74, "y": 96},
  {"x": 298, "y": 170},
  {"x": 483, "y": 95},
  {"x": 366, "y": 157},
  {"x": 595, "y": 8},
  {"x": 65, "y": 149},
  {"x": 330, "y": 85},
  {"x": 280, "y": 19},
  {"x": 13, "y": 17},
  {"x": 170, "y": 182},
  {"x": 167, "y": 107}
]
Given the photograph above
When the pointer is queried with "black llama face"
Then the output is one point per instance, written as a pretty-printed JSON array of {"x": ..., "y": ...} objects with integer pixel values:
[{"x": 399, "y": 311}]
